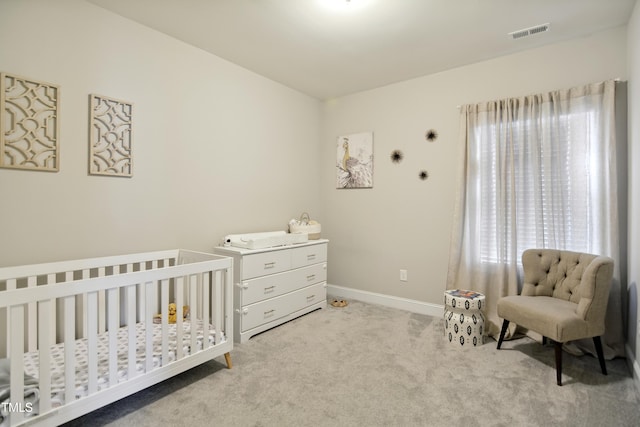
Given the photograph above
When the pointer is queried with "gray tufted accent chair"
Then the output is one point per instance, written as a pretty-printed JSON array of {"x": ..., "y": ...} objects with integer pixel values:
[{"x": 564, "y": 298}]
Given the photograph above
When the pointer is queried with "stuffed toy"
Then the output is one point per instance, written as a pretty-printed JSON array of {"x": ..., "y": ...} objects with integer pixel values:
[{"x": 173, "y": 313}]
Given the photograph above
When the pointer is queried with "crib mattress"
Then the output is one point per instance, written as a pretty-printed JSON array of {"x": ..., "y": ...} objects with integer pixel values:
[{"x": 31, "y": 361}]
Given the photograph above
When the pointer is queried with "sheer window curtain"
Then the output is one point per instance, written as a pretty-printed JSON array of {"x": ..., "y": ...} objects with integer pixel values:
[{"x": 537, "y": 172}]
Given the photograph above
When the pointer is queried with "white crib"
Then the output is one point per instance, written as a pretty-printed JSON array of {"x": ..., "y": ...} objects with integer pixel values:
[{"x": 78, "y": 335}]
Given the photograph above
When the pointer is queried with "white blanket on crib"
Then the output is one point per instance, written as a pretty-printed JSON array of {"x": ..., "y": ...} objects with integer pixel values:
[
  {"x": 31, "y": 362},
  {"x": 31, "y": 393}
]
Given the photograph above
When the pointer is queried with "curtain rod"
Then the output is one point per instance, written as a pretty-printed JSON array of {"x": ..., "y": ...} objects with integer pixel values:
[{"x": 617, "y": 80}]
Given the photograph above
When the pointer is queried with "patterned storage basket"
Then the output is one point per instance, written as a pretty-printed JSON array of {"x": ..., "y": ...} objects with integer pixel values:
[{"x": 305, "y": 226}]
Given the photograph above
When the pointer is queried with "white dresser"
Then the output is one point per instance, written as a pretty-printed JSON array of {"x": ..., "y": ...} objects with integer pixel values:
[{"x": 275, "y": 285}]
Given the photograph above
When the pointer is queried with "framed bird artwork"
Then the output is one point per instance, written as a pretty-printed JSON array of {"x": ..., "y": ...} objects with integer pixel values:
[{"x": 354, "y": 161}]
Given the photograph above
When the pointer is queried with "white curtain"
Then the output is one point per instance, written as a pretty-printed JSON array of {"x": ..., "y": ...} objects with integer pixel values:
[{"x": 537, "y": 172}]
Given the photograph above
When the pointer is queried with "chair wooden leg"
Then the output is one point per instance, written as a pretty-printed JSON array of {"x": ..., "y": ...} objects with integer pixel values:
[
  {"x": 503, "y": 331},
  {"x": 558, "y": 350},
  {"x": 598, "y": 344}
]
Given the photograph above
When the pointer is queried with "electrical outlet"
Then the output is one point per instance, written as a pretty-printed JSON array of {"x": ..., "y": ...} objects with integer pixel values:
[{"x": 403, "y": 275}]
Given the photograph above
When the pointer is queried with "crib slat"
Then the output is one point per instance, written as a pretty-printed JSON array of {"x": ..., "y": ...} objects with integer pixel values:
[
  {"x": 68, "y": 277},
  {"x": 92, "y": 341},
  {"x": 81, "y": 301},
  {"x": 141, "y": 301},
  {"x": 117, "y": 270},
  {"x": 128, "y": 268},
  {"x": 131, "y": 327},
  {"x": 5, "y": 345},
  {"x": 44, "y": 353},
  {"x": 17, "y": 363},
  {"x": 179, "y": 295},
  {"x": 51, "y": 279},
  {"x": 164, "y": 302},
  {"x": 32, "y": 318},
  {"x": 206, "y": 324},
  {"x": 193, "y": 297},
  {"x": 228, "y": 304},
  {"x": 69, "y": 349},
  {"x": 198, "y": 306},
  {"x": 102, "y": 314},
  {"x": 151, "y": 296},
  {"x": 112, "y": 298}
]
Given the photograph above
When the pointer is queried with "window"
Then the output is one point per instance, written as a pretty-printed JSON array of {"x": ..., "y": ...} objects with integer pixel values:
[{"x": 534, "y": 186}]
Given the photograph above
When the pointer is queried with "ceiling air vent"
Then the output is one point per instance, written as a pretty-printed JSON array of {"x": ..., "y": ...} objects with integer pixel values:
[{"x": 529, "y": 31}]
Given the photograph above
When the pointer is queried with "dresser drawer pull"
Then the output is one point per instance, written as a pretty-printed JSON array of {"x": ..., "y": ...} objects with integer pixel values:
[
  {"x": 268, "y": 265},
  {"x": 310, "y": 297},
  {"x": 268, "y": 313},
  {"x": 269, "y": 289},
  {"x": 311, "y": 257},
  {"x": 311, "y": 277}
]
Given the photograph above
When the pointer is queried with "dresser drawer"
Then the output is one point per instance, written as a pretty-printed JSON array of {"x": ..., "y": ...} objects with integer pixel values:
[
  {"x": 272, "y": 309},
  {"x": 265, "y": 263},
  {"x": 270, "y": 286},
  {"x": 309, "y": 296},
  {"x": 308, "y": 255}
]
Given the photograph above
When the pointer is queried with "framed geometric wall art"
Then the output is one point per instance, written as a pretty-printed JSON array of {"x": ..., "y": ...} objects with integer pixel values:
[
  {"x": 110, "y": 136},
  {"x": 29, "y": 124},
  {"x": 354, "y": 161}
]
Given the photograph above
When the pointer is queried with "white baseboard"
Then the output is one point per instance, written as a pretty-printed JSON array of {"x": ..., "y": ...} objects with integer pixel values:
[
  {"x": 634, "y": 367},
  {"x": 411, "y": 305}
]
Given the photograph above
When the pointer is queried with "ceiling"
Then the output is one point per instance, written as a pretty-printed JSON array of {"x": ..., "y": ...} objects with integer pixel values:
[{"x": 330, "y": 48}]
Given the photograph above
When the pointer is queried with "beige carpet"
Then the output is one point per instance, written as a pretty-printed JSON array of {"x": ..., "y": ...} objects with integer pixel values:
[{"x": 366, "y": 365}]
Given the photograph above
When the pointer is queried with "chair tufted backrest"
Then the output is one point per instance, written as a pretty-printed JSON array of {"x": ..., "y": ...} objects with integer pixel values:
[{"x": 581, "y": 278}]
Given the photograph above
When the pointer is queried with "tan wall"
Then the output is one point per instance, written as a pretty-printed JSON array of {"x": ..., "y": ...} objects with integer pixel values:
[
  {"x": 217, "y": 149},
  {"x": 403, "y": 222}
]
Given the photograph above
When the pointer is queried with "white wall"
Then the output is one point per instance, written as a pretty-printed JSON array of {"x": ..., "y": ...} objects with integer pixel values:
[
  {"x": 217, "y": 149},
  {"x": 403, "y": 222},
  {"x": 633, "y": 37}
]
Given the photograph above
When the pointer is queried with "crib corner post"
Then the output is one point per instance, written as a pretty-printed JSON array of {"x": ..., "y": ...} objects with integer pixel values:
[{"x": 228, "y": 304}]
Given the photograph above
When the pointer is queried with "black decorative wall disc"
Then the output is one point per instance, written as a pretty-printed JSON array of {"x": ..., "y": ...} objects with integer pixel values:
[{"x": 396, "y": 156}]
